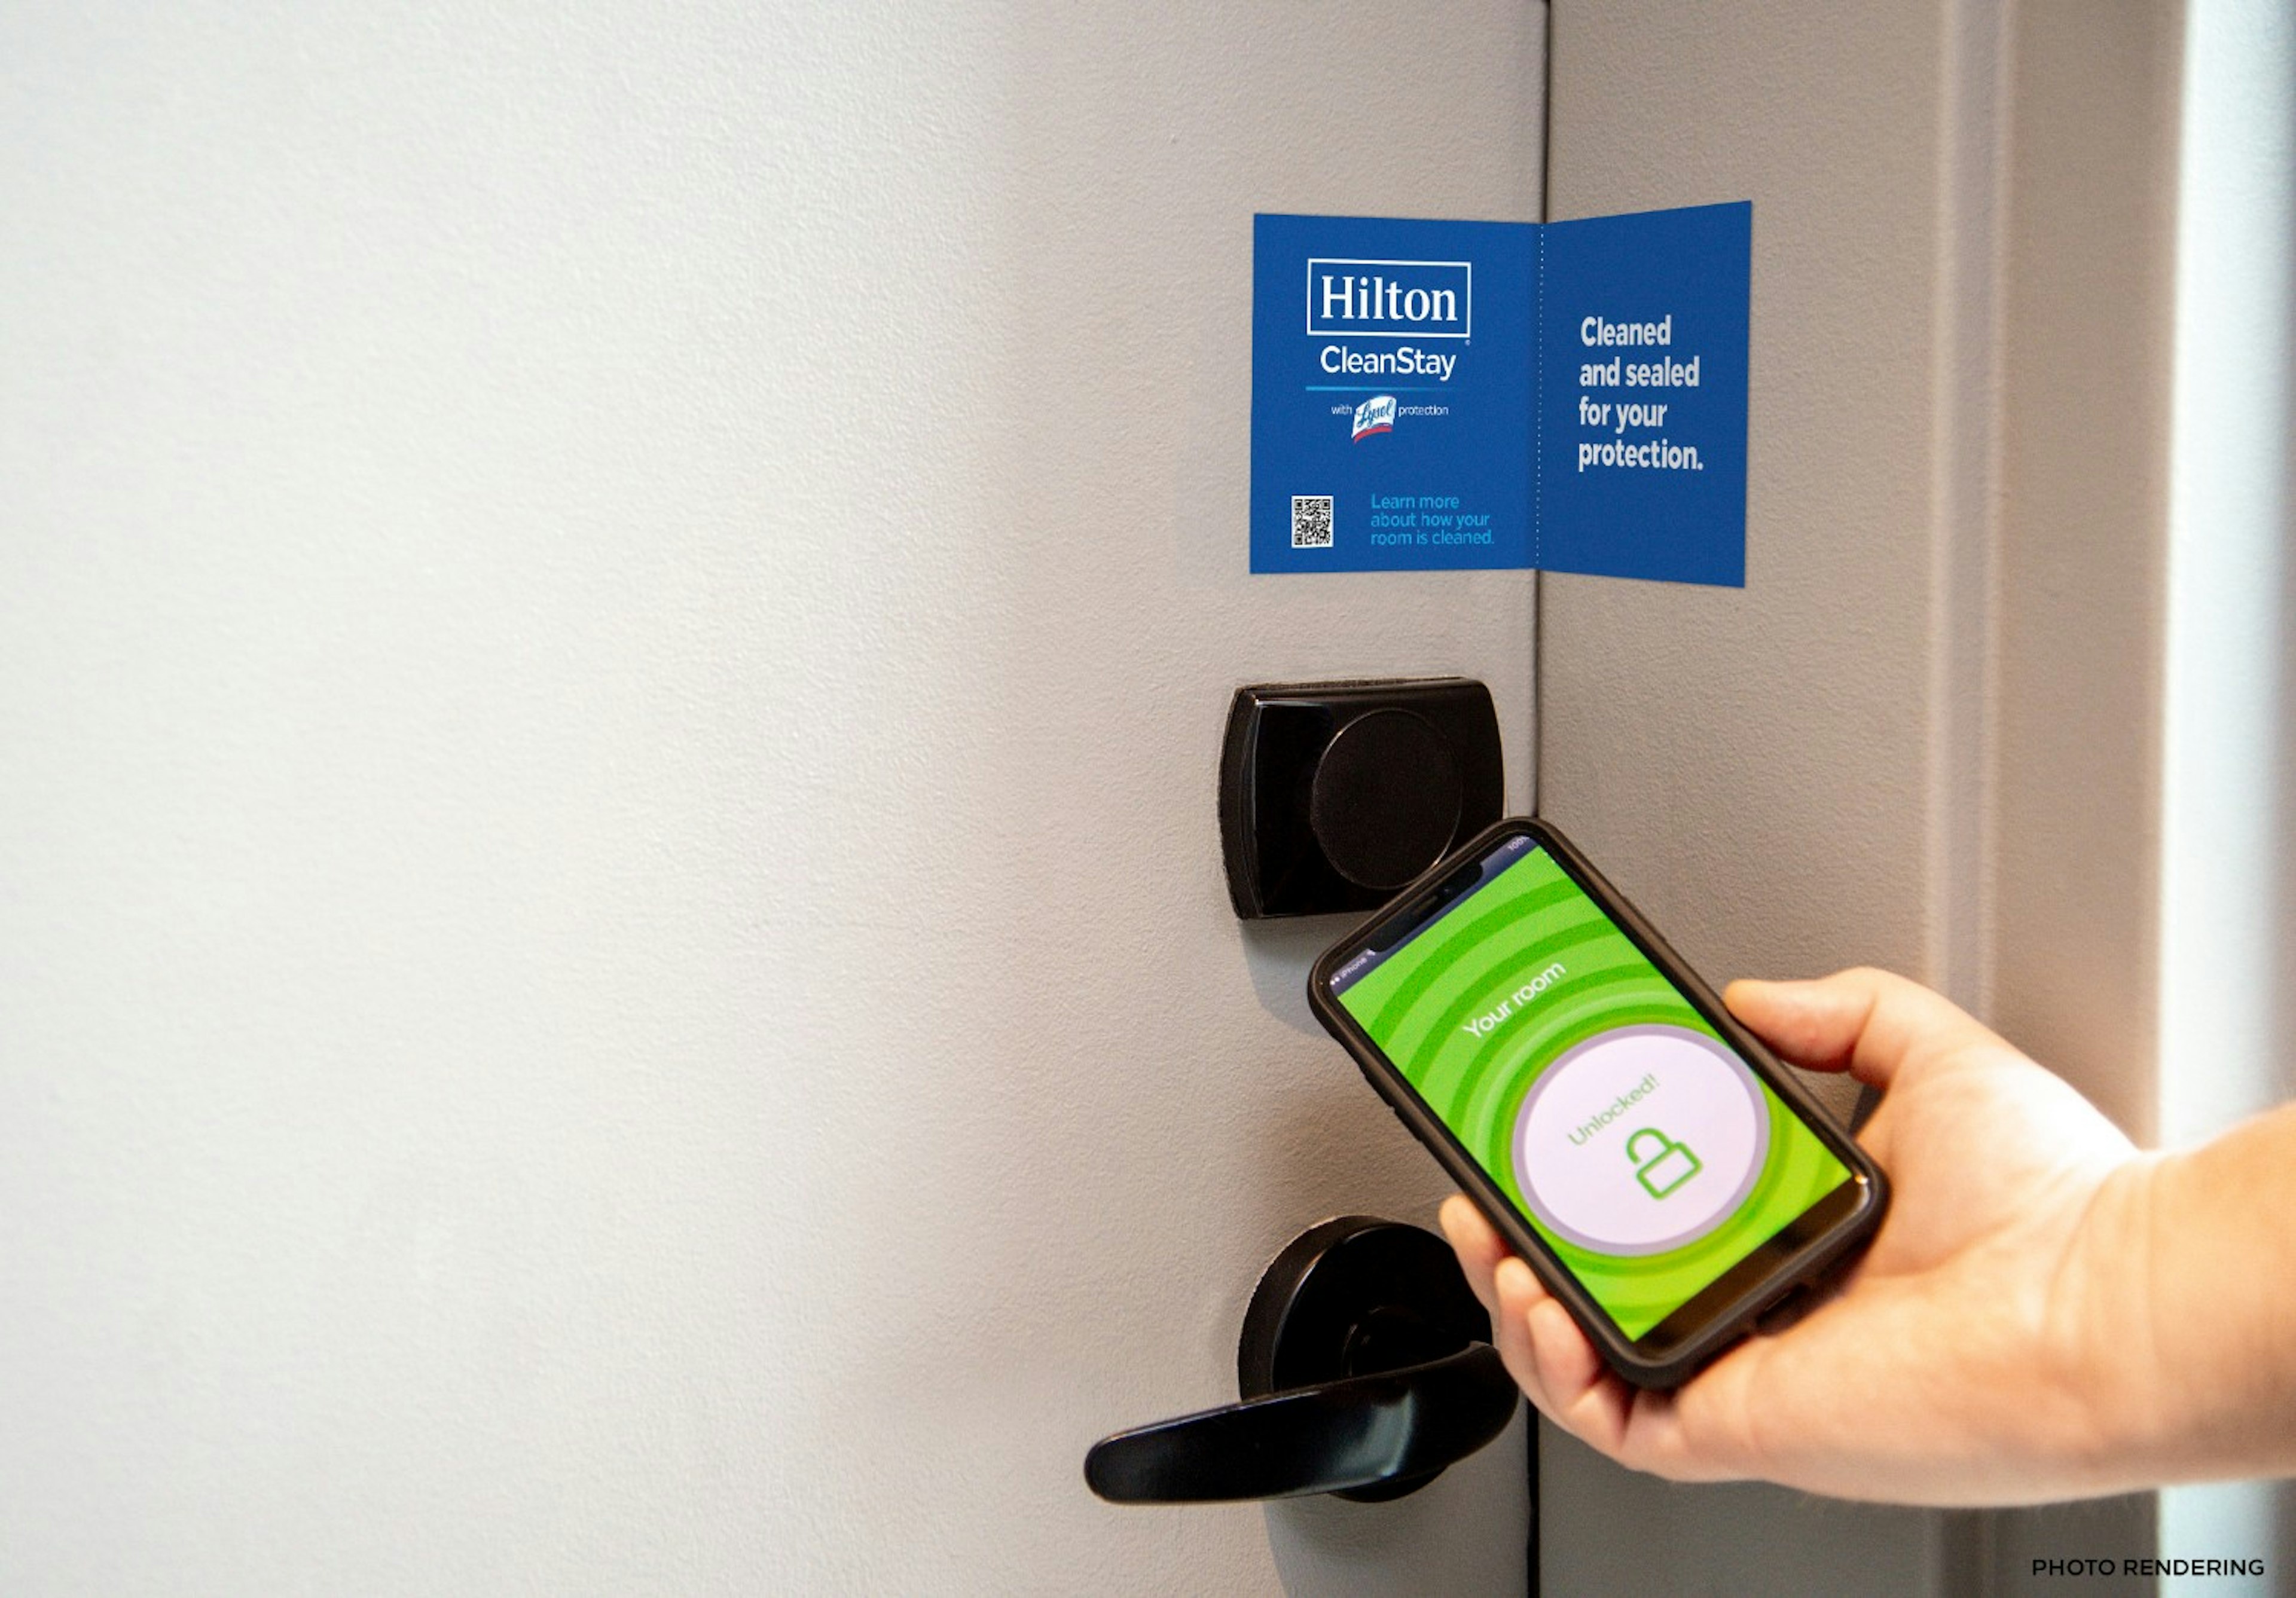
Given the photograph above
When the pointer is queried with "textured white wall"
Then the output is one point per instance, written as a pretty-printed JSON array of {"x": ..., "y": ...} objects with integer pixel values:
[
  {"x": 2090, "y": 268},
  {"x": 613, "y": 626}
]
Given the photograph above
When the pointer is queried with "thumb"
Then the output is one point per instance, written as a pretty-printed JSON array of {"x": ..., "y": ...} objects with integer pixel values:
[{"x": 1861, "y": 1020}]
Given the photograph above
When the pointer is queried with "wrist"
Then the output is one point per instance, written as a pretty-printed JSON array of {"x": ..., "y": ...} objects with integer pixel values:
[
  {"x": 2209, "y": 1357},
  {"x": 2111, "y": 1357}
]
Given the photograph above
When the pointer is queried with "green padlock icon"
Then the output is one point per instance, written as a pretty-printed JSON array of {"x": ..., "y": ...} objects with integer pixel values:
[{"x": 1669, "y": 1168}]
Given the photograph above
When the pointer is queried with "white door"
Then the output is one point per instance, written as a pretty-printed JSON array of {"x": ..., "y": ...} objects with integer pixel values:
[{"x": 614, "y": 623}]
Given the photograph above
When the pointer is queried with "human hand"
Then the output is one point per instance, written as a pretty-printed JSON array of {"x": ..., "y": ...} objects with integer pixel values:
[{"x": 1975, "y": 1354}]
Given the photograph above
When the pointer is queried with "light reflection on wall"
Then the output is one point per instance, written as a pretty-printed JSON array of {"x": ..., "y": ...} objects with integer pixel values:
[{"x": 2228, "y": 793}]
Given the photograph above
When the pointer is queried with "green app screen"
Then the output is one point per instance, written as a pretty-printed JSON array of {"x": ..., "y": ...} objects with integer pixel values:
[{"x": 1637, "y": 1143}]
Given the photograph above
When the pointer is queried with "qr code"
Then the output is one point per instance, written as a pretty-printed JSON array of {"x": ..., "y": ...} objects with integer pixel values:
[{"x": 1311, "y": 522}]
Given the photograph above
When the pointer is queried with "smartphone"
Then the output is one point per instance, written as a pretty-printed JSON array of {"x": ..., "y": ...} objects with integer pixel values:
[{"x": 1667, "y": 1179}]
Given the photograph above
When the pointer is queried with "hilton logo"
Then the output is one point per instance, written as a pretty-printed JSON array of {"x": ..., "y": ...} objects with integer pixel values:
[{"x": 1420, "y": 299}]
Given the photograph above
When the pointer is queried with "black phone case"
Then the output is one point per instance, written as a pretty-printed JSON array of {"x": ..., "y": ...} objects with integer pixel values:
[{"x": 1822, "y": 1253}]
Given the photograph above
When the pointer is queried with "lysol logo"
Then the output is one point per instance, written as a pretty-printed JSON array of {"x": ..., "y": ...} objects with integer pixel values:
[
  {"x": 1419, "y": 299},
  {"x": 1374, "y": 415}
]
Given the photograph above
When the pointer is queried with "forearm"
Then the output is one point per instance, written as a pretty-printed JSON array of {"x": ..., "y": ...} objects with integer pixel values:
[{"x": 2204, "y": 1370}]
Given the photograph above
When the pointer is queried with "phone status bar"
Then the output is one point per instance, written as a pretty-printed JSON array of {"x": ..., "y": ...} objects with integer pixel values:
[{"x": 1507, "y": 852}]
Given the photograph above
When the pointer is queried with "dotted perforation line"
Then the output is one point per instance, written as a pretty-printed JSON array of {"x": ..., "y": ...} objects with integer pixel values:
[{"x": 1539, "y": 416}]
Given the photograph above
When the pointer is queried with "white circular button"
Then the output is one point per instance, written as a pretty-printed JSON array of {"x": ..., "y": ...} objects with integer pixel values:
[{"x": 1640, "y": 1140}]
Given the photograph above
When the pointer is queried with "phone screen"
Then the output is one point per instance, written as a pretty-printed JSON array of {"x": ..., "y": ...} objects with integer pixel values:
[{"x": 1641, "y": 1147}]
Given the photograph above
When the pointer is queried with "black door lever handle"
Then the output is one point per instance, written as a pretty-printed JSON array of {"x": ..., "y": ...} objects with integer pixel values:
[
  {"x": 1366, "y": 1368},
  {"x": 1359, "y": 1431}
]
